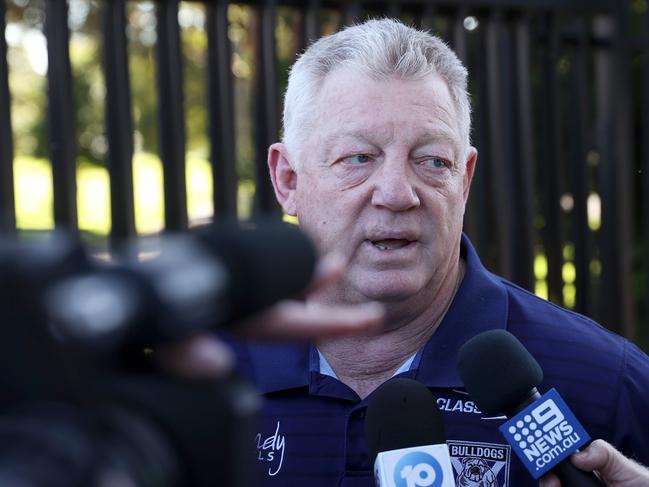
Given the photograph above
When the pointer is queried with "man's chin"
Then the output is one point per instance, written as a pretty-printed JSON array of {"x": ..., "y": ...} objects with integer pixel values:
[
  {"x": 389, "y": 297},
  {"x": 389, "y": 292}
]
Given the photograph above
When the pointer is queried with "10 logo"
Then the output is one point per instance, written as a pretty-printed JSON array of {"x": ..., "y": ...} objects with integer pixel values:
[{"x": 418, "y": 469}]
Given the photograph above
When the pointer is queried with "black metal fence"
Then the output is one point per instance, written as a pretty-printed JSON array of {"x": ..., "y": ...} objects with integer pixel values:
[{"x": 560, "y": 202}]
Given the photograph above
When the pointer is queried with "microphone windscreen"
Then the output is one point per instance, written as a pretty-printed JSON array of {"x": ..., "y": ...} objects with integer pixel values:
[
  {"x": 402, "y": 413},
  {"x": 266, "y": 262},
  {"x": 498, "y": 372}
]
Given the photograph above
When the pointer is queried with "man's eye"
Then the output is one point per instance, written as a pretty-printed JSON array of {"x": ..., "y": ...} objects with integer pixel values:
[
  {"x": 436, "y": 162},
  {"x": 358, "y": 159}
]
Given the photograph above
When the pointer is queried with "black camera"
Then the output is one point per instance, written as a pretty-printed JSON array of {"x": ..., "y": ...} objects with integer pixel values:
[{"x": 83, "y": 405}]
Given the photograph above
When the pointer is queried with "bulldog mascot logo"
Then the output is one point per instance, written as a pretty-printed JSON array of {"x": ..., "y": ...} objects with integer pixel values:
[
  {"x": 477, "y": 464},
  {"x": 476, "y": 473}
]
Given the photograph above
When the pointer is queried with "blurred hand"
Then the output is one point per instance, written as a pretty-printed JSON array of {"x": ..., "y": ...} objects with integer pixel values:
[
  {"x": 614, "y": 469},
  {"x": 307, "y": 320},
  {"x": 203, "y": 356}
]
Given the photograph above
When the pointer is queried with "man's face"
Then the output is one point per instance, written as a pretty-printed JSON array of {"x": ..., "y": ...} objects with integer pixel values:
[{"x": 382, "y": 182}]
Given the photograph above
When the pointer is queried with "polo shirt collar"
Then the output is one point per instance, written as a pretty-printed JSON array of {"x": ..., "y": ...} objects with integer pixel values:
[{"x": 479, "y": 305}]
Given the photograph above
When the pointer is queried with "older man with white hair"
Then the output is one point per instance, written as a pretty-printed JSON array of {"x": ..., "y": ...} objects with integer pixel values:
[{"x": 376, "y": 163}]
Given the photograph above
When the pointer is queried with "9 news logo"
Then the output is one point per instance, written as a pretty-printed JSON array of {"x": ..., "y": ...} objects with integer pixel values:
[
  {"x": 544, "y": 433},
  {"x": 418, "y": 469}
]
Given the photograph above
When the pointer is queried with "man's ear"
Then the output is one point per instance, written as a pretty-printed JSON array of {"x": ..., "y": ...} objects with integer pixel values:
[
  {"x": 283, "y": 176},
  {"x": 472, "y": 157}
]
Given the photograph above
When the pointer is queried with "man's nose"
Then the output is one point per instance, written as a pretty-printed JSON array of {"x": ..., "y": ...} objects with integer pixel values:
[{"x": 394, "y": 186}]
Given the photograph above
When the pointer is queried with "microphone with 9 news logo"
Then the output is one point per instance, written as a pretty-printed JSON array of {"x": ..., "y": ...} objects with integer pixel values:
[
  {"x": 501, "y": 376},
  {"x": 405, "y": 435}
]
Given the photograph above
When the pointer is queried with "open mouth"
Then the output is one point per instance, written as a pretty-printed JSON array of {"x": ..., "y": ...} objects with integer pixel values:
[{"x": 390, "y": 243}]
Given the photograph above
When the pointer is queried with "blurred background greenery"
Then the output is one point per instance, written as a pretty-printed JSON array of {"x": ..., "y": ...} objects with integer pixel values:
[{"x": 27, "y": 60}]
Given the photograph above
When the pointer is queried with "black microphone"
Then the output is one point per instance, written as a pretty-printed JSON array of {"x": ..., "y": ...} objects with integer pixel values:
[
  {"x": 197, "y": 281},
  {"x": 501, "y": 376},
  {"x": 405, "y": 436}
]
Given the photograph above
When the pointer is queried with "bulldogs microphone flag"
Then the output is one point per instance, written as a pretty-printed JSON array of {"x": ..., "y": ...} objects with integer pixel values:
[{"x": 405, "y": 434}]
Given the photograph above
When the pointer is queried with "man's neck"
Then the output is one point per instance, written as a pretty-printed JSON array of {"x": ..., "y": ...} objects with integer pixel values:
[{"x": 364, "y": 363}]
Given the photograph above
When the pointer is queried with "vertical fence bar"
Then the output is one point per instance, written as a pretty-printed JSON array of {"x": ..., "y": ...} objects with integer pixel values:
[
  {"x": 615, "y": 248},
  {"x": 60, "y": 115},
  {"x": 523, "y": 234},
  {"x": 119, "y": 123},
  {"x": 425, "y": 17},
  {"x": 267, "y": 115},
  {"x": 171, "y": 115},
  {"x": 478, "y": 215},
  {"x": 394, "y": 9},
  {"x": 457, "y": 33},
  {"x": 580, "y": 193},
  {"x": 221, "y": 110},
  {"x": 622, "y": 258},
  {"x": 351, "y": 13},
  {"x": 645, "y": 172},
  {"x": 311, "y": 24},
  {"x": 498, "y": 133},
  {"x": 549, "y": 165},
  {"x": 603, "y": 63},
  {"x": 7, "y": 207}
]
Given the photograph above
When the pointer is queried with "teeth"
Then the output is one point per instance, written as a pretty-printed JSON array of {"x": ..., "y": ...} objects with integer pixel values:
[{"x": 390, "y": 244}]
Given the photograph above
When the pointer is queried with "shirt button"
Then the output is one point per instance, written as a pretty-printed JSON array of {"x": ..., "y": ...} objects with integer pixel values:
[{"x": 360, "y": 414}]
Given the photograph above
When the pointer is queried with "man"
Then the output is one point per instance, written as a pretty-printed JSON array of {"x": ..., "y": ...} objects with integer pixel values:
[{"x": 376, "y": 164}]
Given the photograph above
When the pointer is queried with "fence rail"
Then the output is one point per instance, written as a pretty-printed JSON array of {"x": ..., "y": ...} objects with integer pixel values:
[{"x": 560, "y": 202}]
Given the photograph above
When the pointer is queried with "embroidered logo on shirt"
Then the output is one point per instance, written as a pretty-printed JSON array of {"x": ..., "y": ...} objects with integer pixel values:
[
  {"x": 271, "y": 450},
  {"x": 453, "y": 404},
  {"x": 480, "y": 464}
]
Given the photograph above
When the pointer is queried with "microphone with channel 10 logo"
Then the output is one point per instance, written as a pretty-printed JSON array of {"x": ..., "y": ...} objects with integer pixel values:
[{"x": 409, "y": 448}]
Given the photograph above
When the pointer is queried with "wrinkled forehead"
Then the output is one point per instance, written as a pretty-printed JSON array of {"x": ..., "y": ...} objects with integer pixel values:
[
  {"x": 347, "y": 87},
  {"x": 351, "y": 100}
]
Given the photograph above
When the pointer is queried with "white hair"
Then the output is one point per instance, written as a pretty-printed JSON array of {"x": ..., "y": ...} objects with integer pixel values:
[{"x": 381, "y": 49}]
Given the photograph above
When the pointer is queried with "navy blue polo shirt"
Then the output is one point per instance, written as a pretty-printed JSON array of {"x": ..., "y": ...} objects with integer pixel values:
[{"x": 311, "y": 429}]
